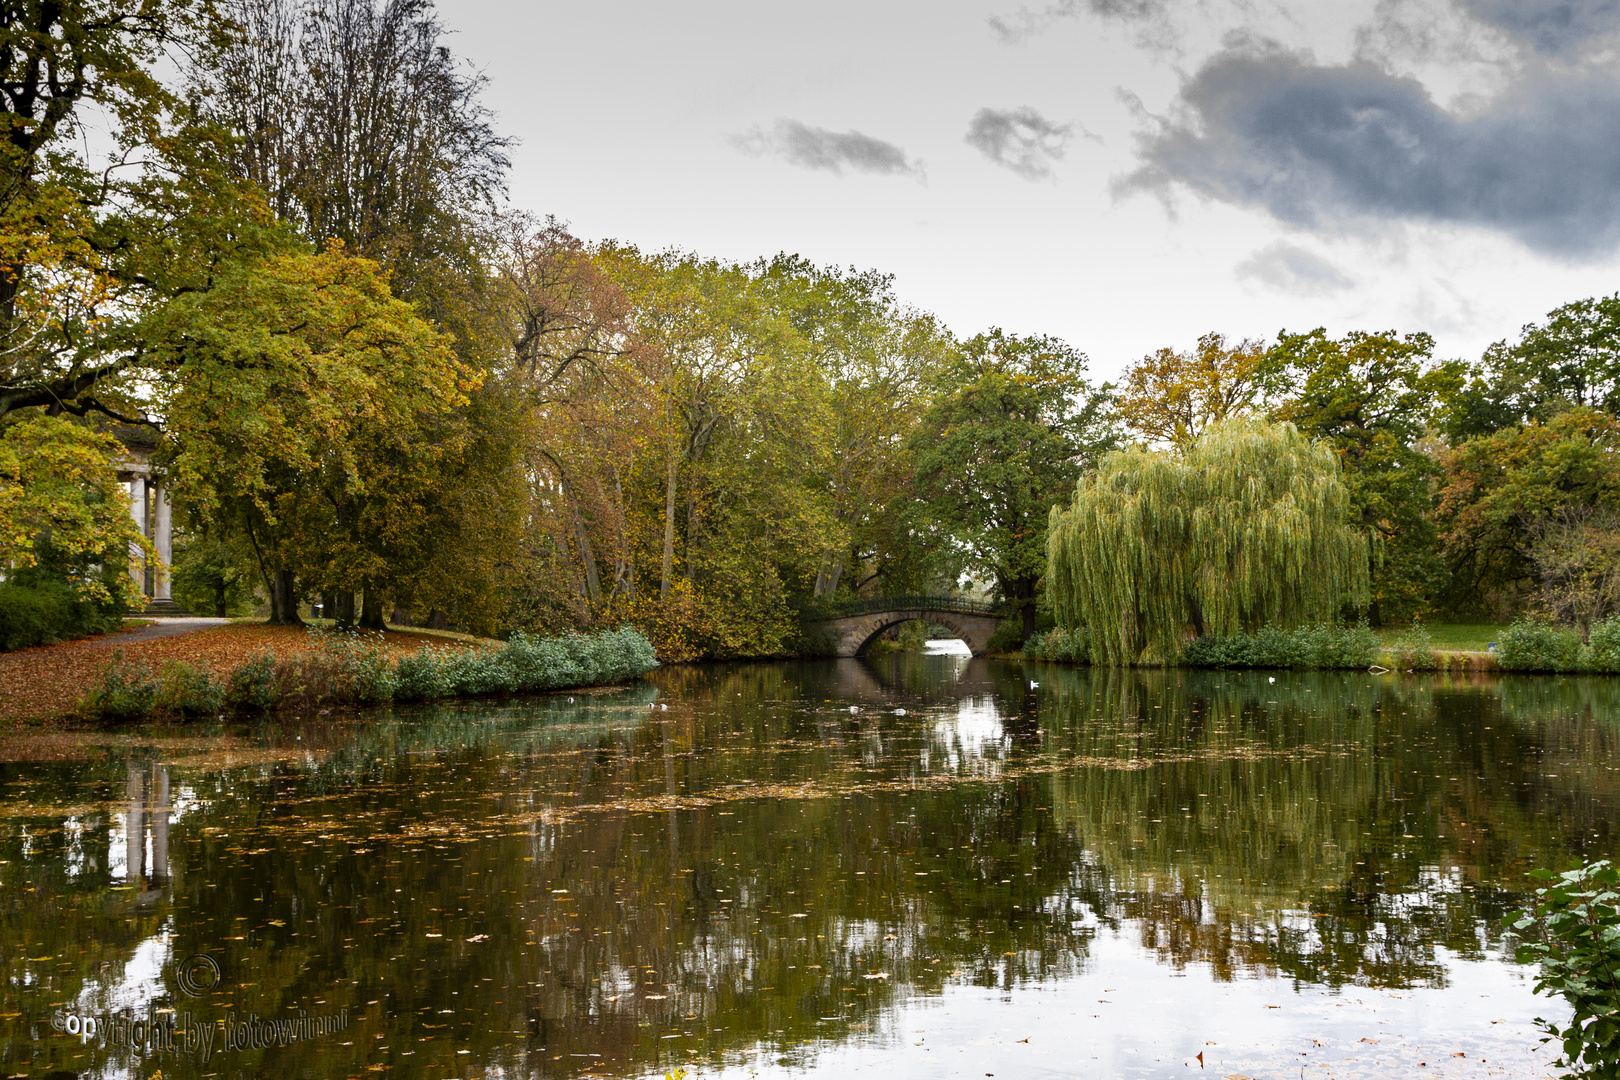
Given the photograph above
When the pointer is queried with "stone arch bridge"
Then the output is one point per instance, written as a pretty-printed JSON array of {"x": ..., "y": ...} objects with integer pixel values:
[{"x": 856, "y": 624}]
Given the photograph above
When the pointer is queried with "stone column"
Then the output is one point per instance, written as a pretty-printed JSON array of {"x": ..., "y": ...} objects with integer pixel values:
[
  {"x": 137, "y": 510},
  {"x": 163, "y": 540},
  {"x": 160, "y": 825},
  {"x": 135, "y": 824}
]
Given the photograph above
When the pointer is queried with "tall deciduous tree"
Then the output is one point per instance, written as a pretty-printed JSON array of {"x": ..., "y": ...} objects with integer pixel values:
[
  {"x": 1499, "y": 487},
  {"x": 298, "y": 395},
  {"x": 1015, "y": 425},
  {"x": 1249, "y": 527},
  {"x": 1571, "y": 360},
  {"x": 1171, "y": 398},
  {"x": 1576, "y": 553},
  {"x": 361, "y": 126},
  {"x": 1372, "y": 398}
]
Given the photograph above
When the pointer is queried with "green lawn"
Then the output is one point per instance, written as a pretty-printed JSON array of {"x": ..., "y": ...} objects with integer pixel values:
[{"x": 1462, "y": 637}]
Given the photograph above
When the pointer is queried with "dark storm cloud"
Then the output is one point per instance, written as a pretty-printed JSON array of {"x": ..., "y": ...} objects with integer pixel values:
[
  {"x": 833, "y": 151},
  {"x": 1290, "y": 268},
  {"x": 1553, "y": 27},
  {"x": 1316, "y": 145},
  {"x": 1019, "y": 139}
]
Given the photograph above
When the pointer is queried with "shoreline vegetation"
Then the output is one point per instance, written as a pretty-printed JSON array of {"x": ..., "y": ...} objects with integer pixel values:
[
  {"x": 342, "y": 668},
  {"x": 1525, "y": 647}
]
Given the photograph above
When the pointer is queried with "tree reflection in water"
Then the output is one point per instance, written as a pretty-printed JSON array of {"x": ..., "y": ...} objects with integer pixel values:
[{"x": 556, "y": 886}]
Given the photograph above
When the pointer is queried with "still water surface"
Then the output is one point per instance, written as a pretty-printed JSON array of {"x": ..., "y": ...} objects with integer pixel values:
[{"x": 919, "y": 866}]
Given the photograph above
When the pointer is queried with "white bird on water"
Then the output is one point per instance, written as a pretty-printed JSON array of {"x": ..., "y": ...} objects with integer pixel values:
[{"x": 899, "y": 712}]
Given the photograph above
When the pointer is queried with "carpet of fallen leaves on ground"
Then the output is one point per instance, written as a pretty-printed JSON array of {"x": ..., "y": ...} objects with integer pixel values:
[{"x": 47, "y": 682}]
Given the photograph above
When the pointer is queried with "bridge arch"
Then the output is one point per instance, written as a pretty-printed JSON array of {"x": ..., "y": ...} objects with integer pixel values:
[{"x": 851, "y": 633}]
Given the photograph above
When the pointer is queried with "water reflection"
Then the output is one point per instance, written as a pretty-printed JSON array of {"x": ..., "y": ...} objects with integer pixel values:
[
  {"x": 146, "y": 830},
  {"x": 777, "y": 865}
]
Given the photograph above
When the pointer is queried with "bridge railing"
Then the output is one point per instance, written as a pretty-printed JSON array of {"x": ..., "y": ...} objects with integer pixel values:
[{"x": 960, "y": 605}]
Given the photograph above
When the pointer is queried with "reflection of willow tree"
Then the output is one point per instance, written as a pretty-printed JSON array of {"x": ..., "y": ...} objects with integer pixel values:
[
  {"x": 1335, "y": 828},
  {"x": 527, "y": 881}
]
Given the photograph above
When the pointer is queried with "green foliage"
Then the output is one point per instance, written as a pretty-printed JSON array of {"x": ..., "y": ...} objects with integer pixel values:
[
  {"x": 357, "y": 662},
  {"x": 1008, "y": 637},
  {"x": 304, "y": 406},
  {"x": 1001, "y": 447},
  {"x": 1414, "y": 649},
  {"x": 127, "y": 692},
  {"x": 1570, "y": 361},
  {"x": 1602, "y": 651},
  {"x": 1530, "y": 645},
  {"x": 1370, "y": 397},
  {"x": 1497, "y": 485},
  {"x": 1246, "y": 529},
  {"x": 252, "y": 686},
  {"x": 57, "y": 481},
  {"x": 1538, "y": 646},
  {"x": 1067, "y": 646},
  {"x": 1326, "y": 646},
  {"x": 423, "y": 676},
  {"x": 523, "y": 665},
  {"x": 1573, "y": 933},
  {"x": 46, "y": 611},
  {"x": 187, "y": 692},
  {"x": 477, "y": 672},
  {"x": 213, "y": 577}
]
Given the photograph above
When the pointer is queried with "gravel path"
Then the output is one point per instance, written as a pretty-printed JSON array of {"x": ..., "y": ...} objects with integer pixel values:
[{"x": 161, "y": 627}]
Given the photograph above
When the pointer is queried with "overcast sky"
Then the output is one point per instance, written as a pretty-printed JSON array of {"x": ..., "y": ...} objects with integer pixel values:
[{"x": 1124, "y": 174}]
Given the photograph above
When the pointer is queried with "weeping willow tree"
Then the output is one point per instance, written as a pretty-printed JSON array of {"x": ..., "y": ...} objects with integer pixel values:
[{"x": 1248, "y": 527}]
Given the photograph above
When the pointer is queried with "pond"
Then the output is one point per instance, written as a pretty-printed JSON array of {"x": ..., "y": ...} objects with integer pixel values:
[{"x": 924, "y": 866}]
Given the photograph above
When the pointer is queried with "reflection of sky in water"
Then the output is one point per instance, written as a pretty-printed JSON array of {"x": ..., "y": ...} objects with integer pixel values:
[
  {"x": 972, "y": 739},
  {"x": 946, "y": 647},
  {"x": 762, "y": 880},
  {"x": 1127, "y": 1016}
]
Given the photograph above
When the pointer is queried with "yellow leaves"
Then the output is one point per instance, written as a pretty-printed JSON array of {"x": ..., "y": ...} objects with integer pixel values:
[
  {"x": 58, "y": 475},
  {"x": 1171, "y": 397}
]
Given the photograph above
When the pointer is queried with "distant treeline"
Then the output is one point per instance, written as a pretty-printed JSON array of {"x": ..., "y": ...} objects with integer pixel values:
[{"x": 365, "y": 382}]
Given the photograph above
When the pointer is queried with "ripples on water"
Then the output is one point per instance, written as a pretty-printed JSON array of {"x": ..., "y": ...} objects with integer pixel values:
[{"x": 916, "y": 865}]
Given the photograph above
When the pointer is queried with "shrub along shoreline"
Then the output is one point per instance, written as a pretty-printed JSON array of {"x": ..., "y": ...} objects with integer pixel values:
[
  {"x": 1324, "y": 647},
  {"x": 356, "y": 668},
  {"x": 1529, "y": 647}
]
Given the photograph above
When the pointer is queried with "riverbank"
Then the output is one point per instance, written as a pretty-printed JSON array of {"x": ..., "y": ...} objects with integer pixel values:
[{"x": 46, "y": 683}]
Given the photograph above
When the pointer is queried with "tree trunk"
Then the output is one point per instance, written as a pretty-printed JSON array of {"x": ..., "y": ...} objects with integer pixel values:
[
  {"x": 691, "y": 535},
  {"x": 284, "y": 599},
  {"x": 667, "y": 568},
  {"x": 587, "y": 554},
  {"x": 1024, "y": 593},
  {"x": 328, "y": 605},
  {"x": 219, "y": 598},
  {"x": 371, "y": 609},
  {"x": 343, "y": 608}
]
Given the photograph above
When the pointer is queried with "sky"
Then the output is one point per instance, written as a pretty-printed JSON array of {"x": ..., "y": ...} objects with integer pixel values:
[{"x": 1123, "y": 174}]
